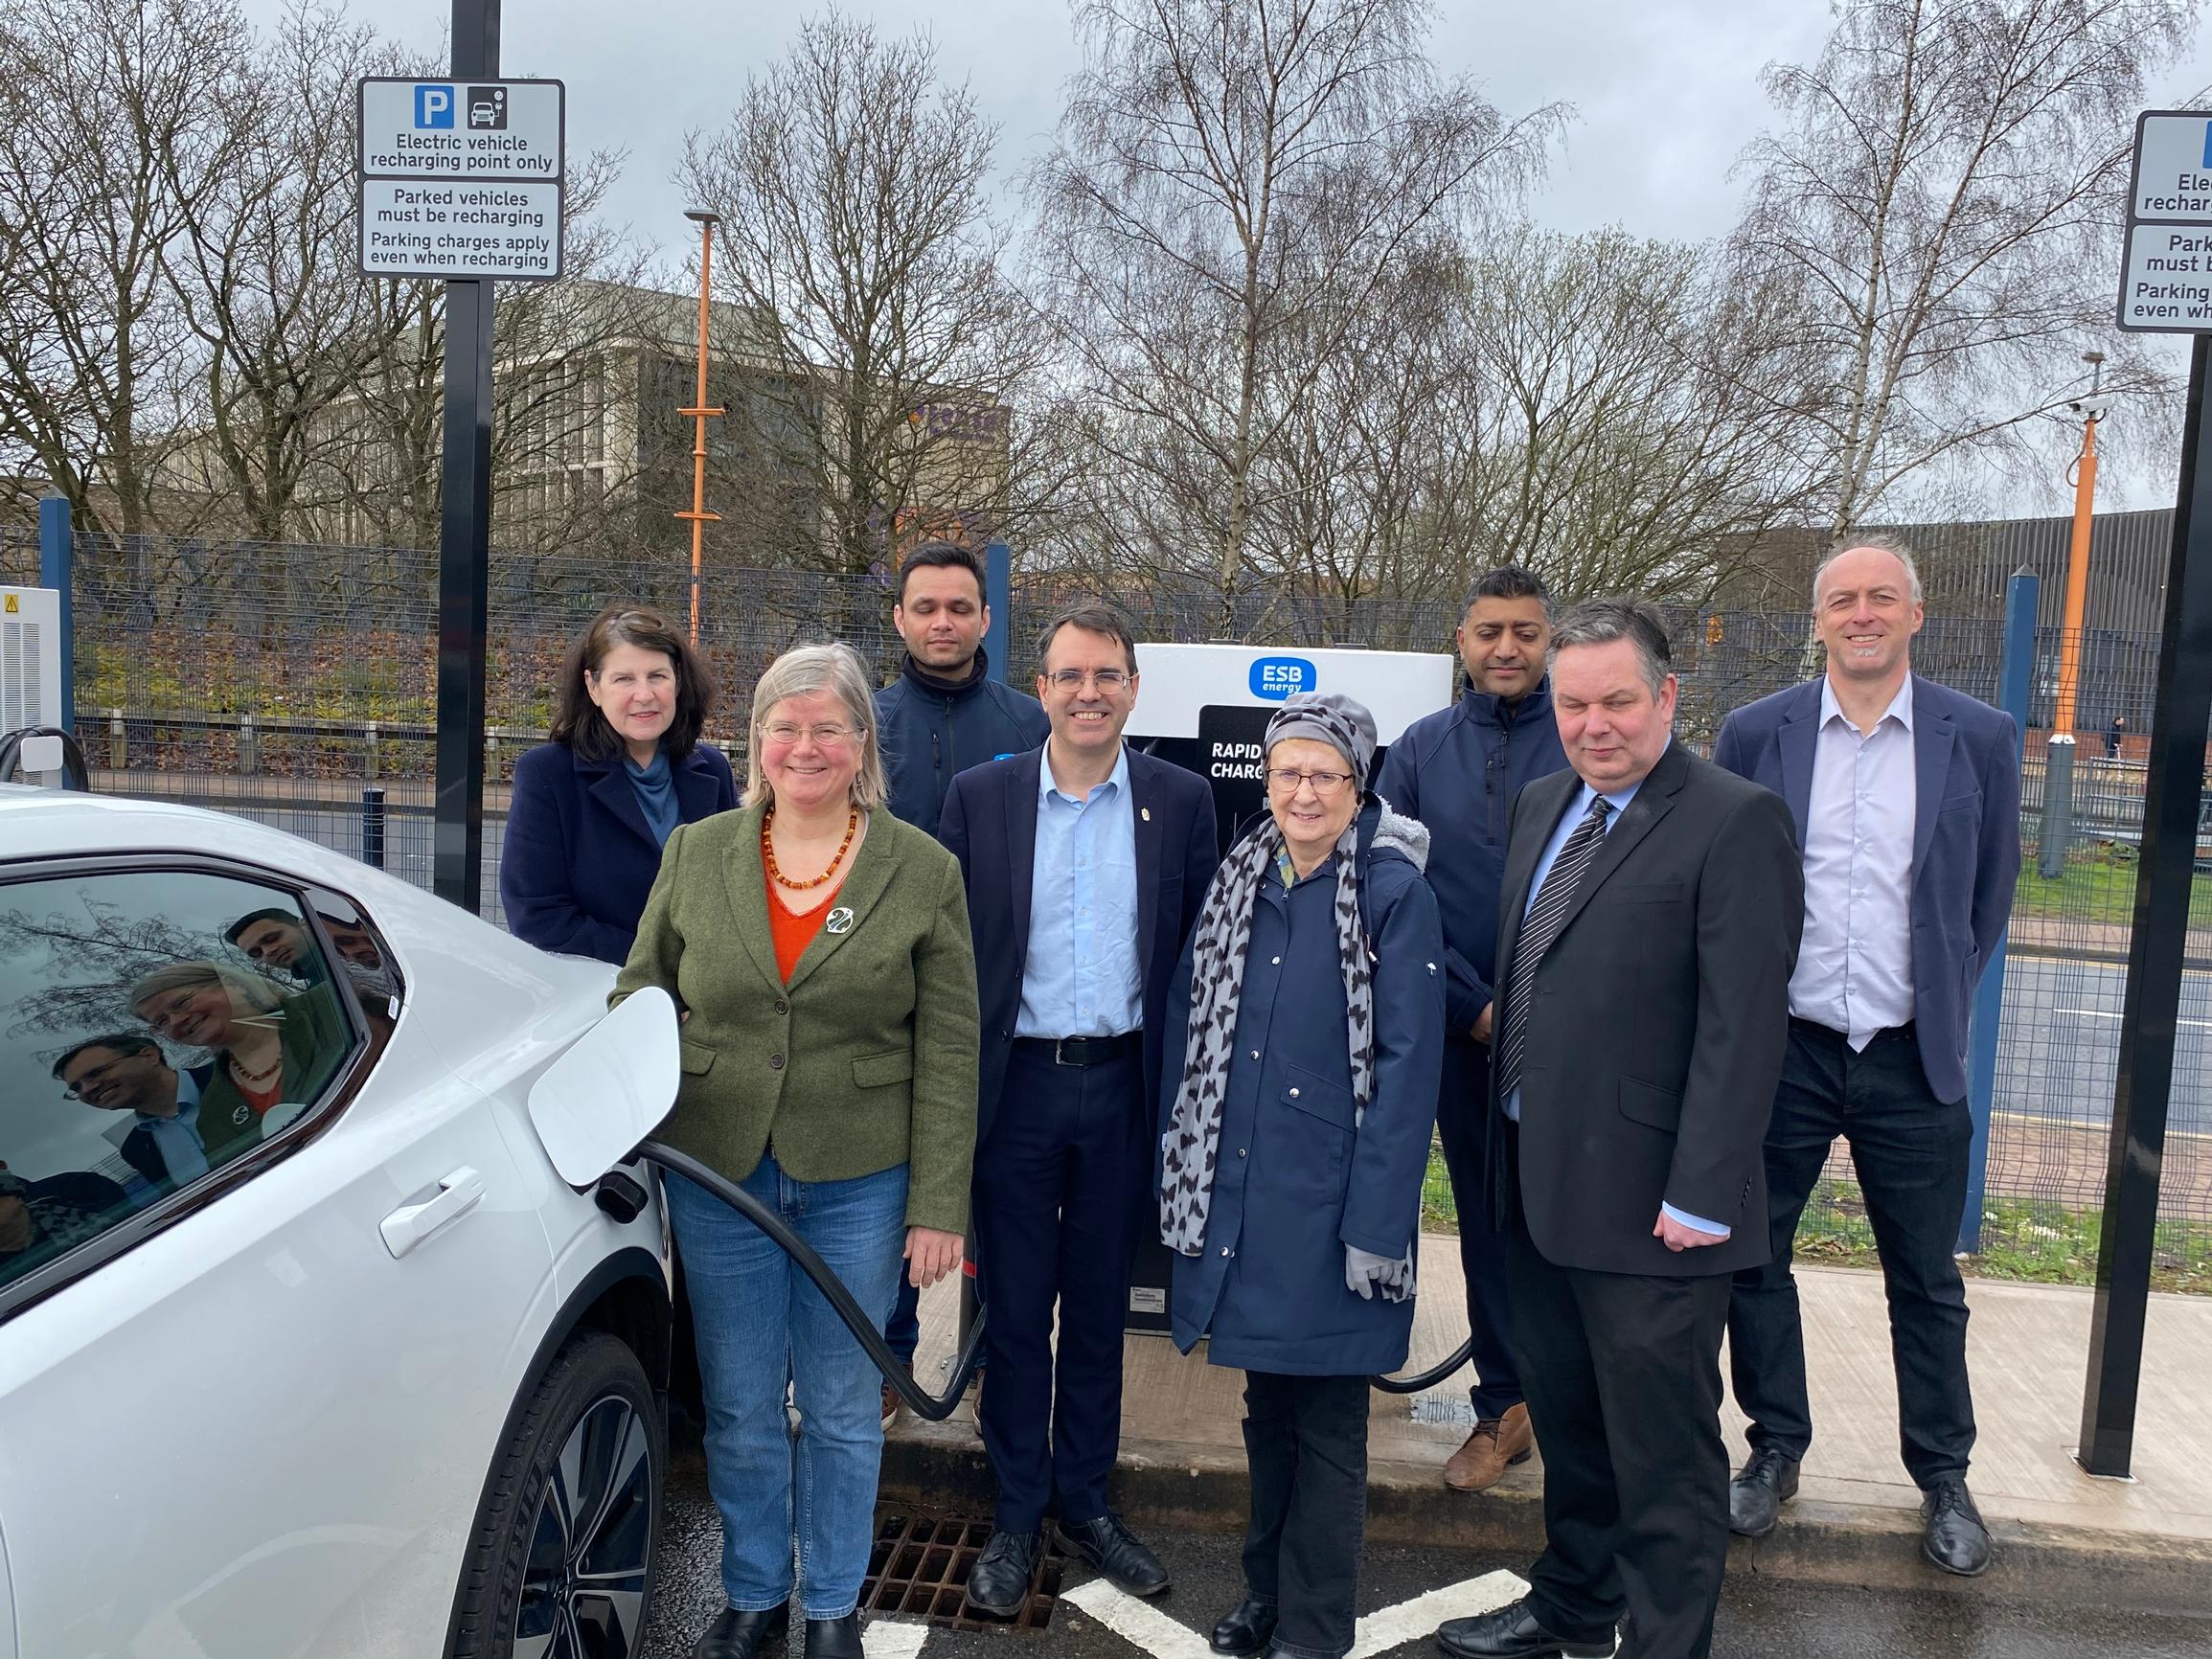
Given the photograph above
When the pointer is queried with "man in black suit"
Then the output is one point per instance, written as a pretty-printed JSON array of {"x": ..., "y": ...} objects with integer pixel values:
[
  {"x": 1086, "y": 863},
  {"x": 1651, "y": 910}
]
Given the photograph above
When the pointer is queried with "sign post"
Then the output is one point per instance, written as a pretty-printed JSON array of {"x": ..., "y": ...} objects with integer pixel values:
[
  {"x": 462, "y": 180},
  {"x": 2166, "y": 287}
]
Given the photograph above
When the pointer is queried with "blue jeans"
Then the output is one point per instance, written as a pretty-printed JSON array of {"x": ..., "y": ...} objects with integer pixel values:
[{"x": 760, "y": 1324}]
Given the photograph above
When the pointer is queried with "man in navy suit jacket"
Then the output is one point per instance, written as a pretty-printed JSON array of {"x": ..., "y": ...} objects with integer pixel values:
[
  {"x": 1906, "y": 798},
  {"x": 1086, "y": 863}
]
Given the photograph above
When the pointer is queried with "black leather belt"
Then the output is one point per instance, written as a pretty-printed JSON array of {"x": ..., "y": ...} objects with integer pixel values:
[{"x": 1082, "y": 1051}]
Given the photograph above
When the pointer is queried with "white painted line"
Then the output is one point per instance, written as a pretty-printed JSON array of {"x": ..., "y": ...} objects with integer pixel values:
[
  {"x": 2105, "y": 1013},
  {"x": 1417, "y": 1620},
  {"x": 1137, "y": 1621},
  {"x": 892, "y": 1639}
]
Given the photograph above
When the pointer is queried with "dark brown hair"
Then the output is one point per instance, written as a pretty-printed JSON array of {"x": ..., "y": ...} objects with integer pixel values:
[
  {"x": 943, "y": 555},
  {"x": 1094, "y": 616},
  {"x": 576, "y": 719}
]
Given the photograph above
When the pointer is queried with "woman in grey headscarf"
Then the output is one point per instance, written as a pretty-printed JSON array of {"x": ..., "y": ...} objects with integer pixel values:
[{"x": 1309, "y": 1009}]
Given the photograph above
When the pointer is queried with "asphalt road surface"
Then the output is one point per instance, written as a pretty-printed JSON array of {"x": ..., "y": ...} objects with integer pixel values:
[{"x": 1759, "y": 1619}]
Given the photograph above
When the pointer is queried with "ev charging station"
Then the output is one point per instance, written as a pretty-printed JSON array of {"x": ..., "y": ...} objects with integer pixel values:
[{"x": 1206, "y": 707}]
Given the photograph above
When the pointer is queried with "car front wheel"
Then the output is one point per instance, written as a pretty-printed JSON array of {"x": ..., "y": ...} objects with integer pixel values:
[{"x": 560, "y": 1564}]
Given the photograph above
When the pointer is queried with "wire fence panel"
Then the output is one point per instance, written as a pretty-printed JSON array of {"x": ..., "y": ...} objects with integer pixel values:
[{"x": 297, "y": 685}]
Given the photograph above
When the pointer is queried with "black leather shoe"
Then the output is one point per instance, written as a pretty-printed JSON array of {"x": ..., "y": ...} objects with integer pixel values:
[
  {"x": 833, "y": 1638},
  {"x": 1513, "y": 1631},
  {"x": 1246, "y": 1628},
  {"x": 1116, "y": 1552},
  {"x": 1956, "y": 1539},
  {"x": 1000, "y": 1584},
  {"x": 1758, "y": 1490},
  {"x": 736, "y": 1635}
]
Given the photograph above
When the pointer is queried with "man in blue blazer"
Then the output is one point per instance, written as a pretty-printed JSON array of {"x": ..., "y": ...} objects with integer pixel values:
[
  {"x": 1085, "y": 864},
  {"x": 1906, "y": 796}
]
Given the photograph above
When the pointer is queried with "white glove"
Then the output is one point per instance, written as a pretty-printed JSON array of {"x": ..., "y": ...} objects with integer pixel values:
[{"x": 1362, "y": 1268}]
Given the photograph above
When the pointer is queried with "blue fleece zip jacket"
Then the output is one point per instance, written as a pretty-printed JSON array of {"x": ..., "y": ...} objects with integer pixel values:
[{"x": 930, "y": 730}]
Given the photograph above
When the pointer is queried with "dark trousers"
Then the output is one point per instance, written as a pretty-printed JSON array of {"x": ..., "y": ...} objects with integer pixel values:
[
  {"x": 1463, "y": 1125},
  {"x": 902, "y": 1330},
  {"x": 1306, "y": 1444},
  {"x": 1057, "y": 1187},
  {"x": 1624, "y": 1388},
  {"x": 1909, "y": 1151}
]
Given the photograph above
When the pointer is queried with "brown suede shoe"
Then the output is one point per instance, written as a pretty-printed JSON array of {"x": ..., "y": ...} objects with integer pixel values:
[{"x": 1495, "y": 1445}]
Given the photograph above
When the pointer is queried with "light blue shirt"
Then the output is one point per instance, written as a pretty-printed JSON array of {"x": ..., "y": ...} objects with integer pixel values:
[
  {"x": 1576, "y": 810},
  {"x": 178, "y": 1139},
  {"x": 1081, "y": 977}
]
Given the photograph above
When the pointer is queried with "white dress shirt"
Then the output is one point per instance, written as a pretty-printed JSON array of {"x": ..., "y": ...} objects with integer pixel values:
[{"x": 1855, "y": 963}]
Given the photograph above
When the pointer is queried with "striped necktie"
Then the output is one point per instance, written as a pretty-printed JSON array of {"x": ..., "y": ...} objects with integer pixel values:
[{"x": 1541, "y": 927}]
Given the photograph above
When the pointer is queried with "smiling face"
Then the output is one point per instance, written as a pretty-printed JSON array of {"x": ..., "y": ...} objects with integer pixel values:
[
  {"x": 635, "y": 689},
  {"x": 1612, "y": 727},
  {"x": 942, "y": 618},
  {"x": 1866, "y": 616},
  {"x": 1311, "y": 810},
  {"x": 197, "y": 1017},
  {"x": 1086, "y": 715},
  {"x": 810, "y": 751},
  {"x": 1503, "y": 642},
  {"x": 115, "y": 1081}
]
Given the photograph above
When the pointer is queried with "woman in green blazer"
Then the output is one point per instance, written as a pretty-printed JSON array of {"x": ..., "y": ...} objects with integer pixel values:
[
  {"x": 820, "y": 950},
  {"x": 275, "y": 1050}
]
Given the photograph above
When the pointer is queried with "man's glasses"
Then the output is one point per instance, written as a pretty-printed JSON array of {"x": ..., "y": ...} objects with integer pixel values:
[
  {"x": 90, "y": 1082},
  {"x": 1107, "y": 680}
]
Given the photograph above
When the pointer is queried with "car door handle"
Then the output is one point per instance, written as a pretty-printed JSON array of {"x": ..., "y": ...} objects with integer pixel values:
[{"x": 410, "y": 1225}]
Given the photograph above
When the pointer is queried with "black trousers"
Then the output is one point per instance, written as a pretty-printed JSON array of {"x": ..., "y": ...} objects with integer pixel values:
[
  {"x": 1624, "y": 1388},
  {"x": 1057, "y": 1194},
  {"x": 1463, "y": 1126},
  {"x": 1306, "y": 1443},
  {"x": 1909, "y": 1151}
]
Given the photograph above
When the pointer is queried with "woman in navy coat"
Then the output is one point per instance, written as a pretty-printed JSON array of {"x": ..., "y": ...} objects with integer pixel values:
[
  {"x": 592, "y": 809},
  {"x": 1309, "y": 1009}
]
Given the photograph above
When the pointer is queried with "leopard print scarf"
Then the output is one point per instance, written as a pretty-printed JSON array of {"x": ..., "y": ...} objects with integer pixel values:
[{"x": 1220, "y": 939}]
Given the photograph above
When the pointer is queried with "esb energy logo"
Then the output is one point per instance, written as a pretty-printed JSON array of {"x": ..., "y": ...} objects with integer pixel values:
[{"x": 1276, "y": 678}]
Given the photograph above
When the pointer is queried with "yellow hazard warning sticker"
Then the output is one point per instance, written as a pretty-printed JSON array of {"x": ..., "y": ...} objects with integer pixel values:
[{"x": 14, "y": 603}]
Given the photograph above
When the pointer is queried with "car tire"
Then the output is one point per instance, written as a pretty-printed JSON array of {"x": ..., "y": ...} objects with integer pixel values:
[{"x": 562, "y": 1558}]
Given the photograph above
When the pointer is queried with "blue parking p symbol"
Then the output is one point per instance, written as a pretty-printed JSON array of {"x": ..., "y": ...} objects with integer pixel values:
[{"x": 433, "y": 106}]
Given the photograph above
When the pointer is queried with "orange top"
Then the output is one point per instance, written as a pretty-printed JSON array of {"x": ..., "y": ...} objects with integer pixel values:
[{"x": 794, "y": 933}]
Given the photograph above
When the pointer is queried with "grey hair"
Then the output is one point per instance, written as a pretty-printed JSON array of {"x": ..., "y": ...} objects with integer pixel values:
[
  {"x": 800, "y": 672},
  {"x": 1600, "y": 622},
  {"x": 1892, "y": 545}
]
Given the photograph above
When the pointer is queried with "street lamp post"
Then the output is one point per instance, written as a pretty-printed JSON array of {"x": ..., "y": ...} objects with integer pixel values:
[
  {"x": 2060, "y": 753},
  {"x": 698, "y": 412}
]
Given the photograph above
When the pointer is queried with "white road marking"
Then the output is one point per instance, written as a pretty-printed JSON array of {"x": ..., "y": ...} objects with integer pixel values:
[
  {"x": 1137, "y": 1621},
  {"x": 2107, "y": 1013},
  {"x": 1418, "y": 1619},
  {"x": 892, "y": 1639}
]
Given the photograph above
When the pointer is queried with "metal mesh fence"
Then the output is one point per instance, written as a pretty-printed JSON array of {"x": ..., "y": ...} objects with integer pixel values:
[{"x": 287, "y": 683}]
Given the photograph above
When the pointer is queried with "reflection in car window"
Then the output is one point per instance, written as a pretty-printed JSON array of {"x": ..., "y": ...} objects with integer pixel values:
[{"x": 154, "y": 1025}]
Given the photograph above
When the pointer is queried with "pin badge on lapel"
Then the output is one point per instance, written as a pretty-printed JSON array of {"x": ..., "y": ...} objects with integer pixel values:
[
  {"x": 1145, "y": 813},
  {"x": 840, "y": 921}
]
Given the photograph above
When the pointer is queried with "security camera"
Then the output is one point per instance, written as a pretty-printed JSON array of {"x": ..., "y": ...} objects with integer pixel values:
[{"x": 2090, "y": 408}]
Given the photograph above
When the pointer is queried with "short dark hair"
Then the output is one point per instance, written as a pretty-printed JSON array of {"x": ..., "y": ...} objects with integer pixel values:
[
  {"x": 1600, "y": 622},
  {"x": 122, "y": 1042},
  {"x": 1509, "y": 581},
  {"x": 237, "y": 927},
  {"x": 576, "y": 719},
  {"x": 1094, "y": 616},
  {"x": 943, "y": 555}
]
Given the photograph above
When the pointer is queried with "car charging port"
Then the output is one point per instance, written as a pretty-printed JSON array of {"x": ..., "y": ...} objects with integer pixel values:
[{"x": 621, "y": 1195}]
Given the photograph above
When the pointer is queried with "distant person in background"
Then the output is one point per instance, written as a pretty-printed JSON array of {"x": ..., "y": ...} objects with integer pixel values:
[
  {"x": 592, "y": 809},
  {"x": 942, "y": 713},
  {"x": 2114, "y": 733},
  {"x": 42, "y": 1220},
  {"x": 126, "y": 1071}
]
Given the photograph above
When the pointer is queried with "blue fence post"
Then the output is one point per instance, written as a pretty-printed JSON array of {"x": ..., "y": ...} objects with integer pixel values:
[
  {"x": 54, "y": 550},
  {"x": 2016, "y": 675},
  {"x": 998, "y": 597}
]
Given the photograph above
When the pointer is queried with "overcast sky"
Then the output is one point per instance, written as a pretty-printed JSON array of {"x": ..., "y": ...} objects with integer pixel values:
[{"x": 1666, "y": 92}]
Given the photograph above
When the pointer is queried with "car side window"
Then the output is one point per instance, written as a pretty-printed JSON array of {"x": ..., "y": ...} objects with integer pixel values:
[{"x": 156, "y": 1026}]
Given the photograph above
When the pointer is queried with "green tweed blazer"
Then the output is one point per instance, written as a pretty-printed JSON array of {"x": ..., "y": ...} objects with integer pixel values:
[{"x": 866, "y": 1061}]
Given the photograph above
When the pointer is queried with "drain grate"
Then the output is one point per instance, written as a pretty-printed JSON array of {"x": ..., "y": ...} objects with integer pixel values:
[{"x": 920, "y": 1566}]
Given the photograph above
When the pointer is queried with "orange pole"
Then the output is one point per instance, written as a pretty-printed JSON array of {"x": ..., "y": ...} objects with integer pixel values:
[
  {"x": 698, "y": 411},
  {"x": 2077, "y": 582}
]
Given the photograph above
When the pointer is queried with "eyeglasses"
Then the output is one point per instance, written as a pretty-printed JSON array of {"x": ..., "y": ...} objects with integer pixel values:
[
  {"x": 1325, "y": 784},
  {"x": 1107, "y": 680},
  {"x": 825, "y": 736},
  {"x": 91, "y": 1080}
]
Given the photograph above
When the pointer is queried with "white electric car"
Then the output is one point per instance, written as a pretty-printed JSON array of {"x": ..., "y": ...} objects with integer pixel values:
[{"x": 307, "y": 1346}]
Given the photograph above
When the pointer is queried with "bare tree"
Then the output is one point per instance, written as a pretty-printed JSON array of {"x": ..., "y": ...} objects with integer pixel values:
[
  {"x": 851, "y": 183},
  {"x": 1942, "y": 214},
  {"x": 1230, "y": 178}
]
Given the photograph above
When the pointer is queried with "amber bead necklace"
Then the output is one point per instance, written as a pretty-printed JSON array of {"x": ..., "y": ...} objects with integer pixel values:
[{"x": 768, "y": 852}]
